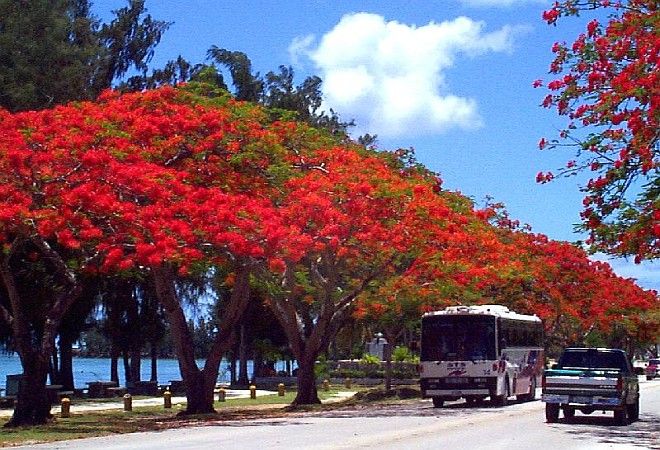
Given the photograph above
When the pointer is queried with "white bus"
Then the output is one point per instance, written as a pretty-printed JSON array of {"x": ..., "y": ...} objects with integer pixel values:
[{"x": 474, "y": 352}]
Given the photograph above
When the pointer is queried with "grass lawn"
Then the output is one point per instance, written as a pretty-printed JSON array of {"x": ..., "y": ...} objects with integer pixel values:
[{"x": 85, "y": 424}]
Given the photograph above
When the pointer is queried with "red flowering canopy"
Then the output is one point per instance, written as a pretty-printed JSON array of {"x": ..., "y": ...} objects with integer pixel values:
[
  {"x": 608, "y": 87},
  {"x": 142, "y": 178}
]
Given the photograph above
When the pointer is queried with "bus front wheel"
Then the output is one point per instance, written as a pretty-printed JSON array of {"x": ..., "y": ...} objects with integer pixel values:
[{"x": 438, "y": 402}]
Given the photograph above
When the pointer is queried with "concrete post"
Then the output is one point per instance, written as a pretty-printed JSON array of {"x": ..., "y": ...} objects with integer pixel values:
[
  {"x": 65, "y": 408},
  {"x": 128, "y": 402}
]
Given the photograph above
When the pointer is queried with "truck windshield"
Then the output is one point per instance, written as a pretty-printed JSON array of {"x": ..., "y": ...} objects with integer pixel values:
[
  {"x": 458, "y": 338},
  {"x": 592, "y": 359}
]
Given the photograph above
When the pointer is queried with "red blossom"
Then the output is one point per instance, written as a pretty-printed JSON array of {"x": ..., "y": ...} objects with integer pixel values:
[{"x": 607, "y": 81}]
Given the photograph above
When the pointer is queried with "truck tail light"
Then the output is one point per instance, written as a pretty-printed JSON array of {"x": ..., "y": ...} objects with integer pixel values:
[{"x": 619, "y": 384}]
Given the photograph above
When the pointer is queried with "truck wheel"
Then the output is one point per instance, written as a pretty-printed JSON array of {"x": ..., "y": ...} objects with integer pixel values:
[
  {"x": 438, "y": 402},
  {"x": 501, "y": 400},
  {"x": 569, "y": 413},
  {"x": 551, "y": 412},
  {"x": 621, "y": 415},
  {"x": 531, "y": 395},
  {"x": 532, "y": 391},
  {"x": 633, "y": 410}
]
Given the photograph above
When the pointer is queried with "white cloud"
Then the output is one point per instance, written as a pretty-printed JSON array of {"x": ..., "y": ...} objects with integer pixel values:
[
  {"x": 390, "y": 77},
  {"x": 299, "y": 47}
]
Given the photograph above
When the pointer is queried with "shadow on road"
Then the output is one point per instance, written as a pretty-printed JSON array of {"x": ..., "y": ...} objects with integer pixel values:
[
  {"x": 413, "y": 407},
  {"x": 644, "y": 433}
]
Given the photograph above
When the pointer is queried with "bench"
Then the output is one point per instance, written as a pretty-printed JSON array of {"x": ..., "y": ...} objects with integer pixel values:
[
  {"x": 177, "y": 387},
  {"x": 65, "y": 394},
  {"x": 7, "y": 401},
  {"x": 78, "y": 392},
  {"x": 52, "y": 391},
  {"x": 148, "y": 388},
  {"x": 99, "y": 389},
  {"x": 116, "y": 391}
]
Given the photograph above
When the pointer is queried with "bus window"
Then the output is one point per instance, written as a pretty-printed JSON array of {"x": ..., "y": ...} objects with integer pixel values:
[{"x": 458, "y": 339}]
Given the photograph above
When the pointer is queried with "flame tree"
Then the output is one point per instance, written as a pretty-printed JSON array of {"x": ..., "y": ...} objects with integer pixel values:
[
  {"x": 607, "y": 86},
  {"x": 162, "y": 183}
]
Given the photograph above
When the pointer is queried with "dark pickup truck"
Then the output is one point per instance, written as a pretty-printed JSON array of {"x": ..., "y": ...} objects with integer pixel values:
[{"x": 590, "y": 379}]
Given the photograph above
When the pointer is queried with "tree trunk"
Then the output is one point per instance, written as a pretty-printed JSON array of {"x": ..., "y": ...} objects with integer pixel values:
[
  {"x": 243, "y": 379},
  {"x": 32, "y": 403},
  {"x": 257, "y": 365},
  {"x": 306, "y": 379},
  {"x": 54, "y": 367},
  {"x": 199, "y": 401},
  {"x": 388, "y": 368},
  {"x": 127, "y": 368},
  {"x": 136, "y": 365},
  {"x": 232, "y": 370},
  {"x": 114, "y": 364},
  {"x": 66, "y": 364},
  {"x": 200, "y": 384},
  {"x": 154, "y": 362}
]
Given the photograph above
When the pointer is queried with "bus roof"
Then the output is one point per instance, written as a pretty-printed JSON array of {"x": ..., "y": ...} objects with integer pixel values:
[{"x": 488, "y": 310}]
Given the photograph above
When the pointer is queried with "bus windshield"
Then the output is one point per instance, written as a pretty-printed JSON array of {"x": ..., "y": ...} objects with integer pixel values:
[{"x": 458, "y": 338}]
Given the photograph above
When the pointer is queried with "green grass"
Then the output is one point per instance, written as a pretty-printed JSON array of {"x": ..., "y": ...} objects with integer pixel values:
[
  {"x": 83, "y": 425},
  {"x": 86, "y": 424}
]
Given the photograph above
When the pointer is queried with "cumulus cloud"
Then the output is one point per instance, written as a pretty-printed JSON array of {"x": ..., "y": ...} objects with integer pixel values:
[{"x": 390, "y": 77}]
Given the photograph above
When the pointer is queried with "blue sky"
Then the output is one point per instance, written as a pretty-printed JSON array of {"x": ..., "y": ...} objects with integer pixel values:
[{"x": 450, "y": 78}]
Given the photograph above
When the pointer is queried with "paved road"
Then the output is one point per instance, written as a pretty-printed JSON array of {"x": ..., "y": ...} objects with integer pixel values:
[{"x": 412, "y": 425}]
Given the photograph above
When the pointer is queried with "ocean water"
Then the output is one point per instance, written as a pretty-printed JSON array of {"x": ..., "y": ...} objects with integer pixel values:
[{"x": 98, "y": 369}]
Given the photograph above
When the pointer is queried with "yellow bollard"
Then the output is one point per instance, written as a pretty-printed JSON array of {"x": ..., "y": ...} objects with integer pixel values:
[
  {"x": 280, "y": 390},
  {"x": 128, "y": 402},
  {"x": 167, "y": 399},
  {"x": 348, "y": 383},
  {"x": 253, "y": 392},
  {"x": 222, "y": 395},
  {"x": 65, "y": 408},
  {"x": 326, "y": 385}
]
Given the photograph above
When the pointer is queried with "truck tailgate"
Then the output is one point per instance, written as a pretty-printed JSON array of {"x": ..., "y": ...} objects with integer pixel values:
[{"x": 597, "y": 387}]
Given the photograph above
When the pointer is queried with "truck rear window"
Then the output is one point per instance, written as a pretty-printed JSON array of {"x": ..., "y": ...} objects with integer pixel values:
[{"x": 593, "y": 360}]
